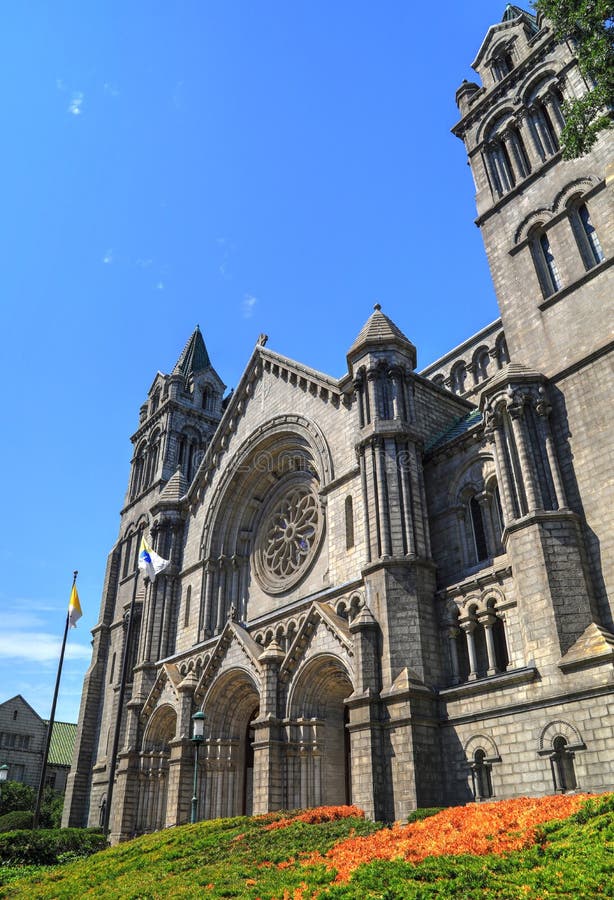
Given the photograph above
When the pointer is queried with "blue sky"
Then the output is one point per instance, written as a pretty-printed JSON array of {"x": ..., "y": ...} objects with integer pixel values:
[{"x": 253, "y": 167}]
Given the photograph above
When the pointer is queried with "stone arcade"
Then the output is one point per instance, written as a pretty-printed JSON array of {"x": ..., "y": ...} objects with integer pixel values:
[{"x": 395, "y": 588}]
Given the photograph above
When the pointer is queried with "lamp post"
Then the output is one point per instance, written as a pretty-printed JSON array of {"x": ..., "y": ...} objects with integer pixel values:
[
  {"x": 198, "y": 735},
  {"x": 4, "y": 774}
]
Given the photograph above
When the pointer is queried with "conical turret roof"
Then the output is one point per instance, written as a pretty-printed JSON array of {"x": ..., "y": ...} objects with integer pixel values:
[
  {"x": 194, "y": 356},
  {"x": 379, "y": 332},
  {"x": 175, "y": 487}
]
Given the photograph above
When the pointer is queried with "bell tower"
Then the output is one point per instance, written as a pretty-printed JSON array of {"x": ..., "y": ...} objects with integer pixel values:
[{"x": 547, "y": 222}]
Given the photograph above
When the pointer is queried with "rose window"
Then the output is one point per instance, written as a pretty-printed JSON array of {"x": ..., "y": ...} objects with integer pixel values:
[{"x": 288, "y": 537}]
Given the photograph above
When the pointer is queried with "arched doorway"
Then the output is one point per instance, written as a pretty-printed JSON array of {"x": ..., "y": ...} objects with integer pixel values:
[
  {"x": 227, "y": 766},
  {"x": 153, "y": 770},
  {"x": 318, "y": 753}
]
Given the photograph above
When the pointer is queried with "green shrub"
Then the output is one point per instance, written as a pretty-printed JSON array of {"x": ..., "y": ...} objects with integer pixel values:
[
  {"x": 12, "y": 821},
  {"x": 423, "y": 812},
  {"x": 16, "y": 796},
  {"x": 47, "y": 847}
]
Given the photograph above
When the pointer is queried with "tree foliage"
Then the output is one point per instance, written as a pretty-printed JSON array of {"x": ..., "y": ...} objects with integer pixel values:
[
  {"x": 17, "y": 797},
  {"x": 589, "y": 24}
]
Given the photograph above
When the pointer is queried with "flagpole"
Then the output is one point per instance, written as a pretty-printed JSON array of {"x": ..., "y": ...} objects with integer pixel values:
[
  {"x": 41, "y": 784},
  {"x": 120, "y": 705}
]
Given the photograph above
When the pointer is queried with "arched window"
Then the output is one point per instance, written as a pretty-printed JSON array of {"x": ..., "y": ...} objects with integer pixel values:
[
  {"x": 481, "y": 363},
  {"x": 545, "y": 264},
  {"x": 126, "y": 570},
  {"x": 481, "y": 776},
  {"x": 208, "y": 396},
  {"x": 349, "y": 523},
  {"x": 501, "y": 65},
  {"x": 138, "y": 472},
  {"x": 480, "y": 544},
  {"x": 585, "y": 234},
  {"x": 563, "y": 770},
  {"x": 459, "y": 378},
  {"x": 153, "y": 454},
  {"x": 155, "y": 402},
  {"x": 189, "y": 454}
]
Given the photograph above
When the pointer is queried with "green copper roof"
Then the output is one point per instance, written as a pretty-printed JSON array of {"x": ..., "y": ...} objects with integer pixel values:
[
  {"x": 62, "y": 743},
  {"x": 512, "y": 12},
  {"x": 461, "y": 426},
  {"x": 194, "y": 356}
]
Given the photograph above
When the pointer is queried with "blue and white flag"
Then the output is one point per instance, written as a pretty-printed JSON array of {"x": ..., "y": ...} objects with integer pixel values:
[{"x": 150, "y": 563}]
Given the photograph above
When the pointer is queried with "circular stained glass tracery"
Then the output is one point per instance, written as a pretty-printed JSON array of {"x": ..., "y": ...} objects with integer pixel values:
[{"x": 288, "y": 537}]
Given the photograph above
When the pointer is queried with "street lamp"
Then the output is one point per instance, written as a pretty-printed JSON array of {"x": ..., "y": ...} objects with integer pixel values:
[
  {"x": 198, "y": 735},
  {"x": 4, "y": 774}
]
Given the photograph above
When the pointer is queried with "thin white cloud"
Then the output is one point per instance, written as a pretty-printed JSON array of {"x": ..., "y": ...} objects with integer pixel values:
[
  {"x": 110, "y": 89},
  {"x": 144, "y": 263},
  {"x": 160, "y": 286},
  {"x": 108, "y": 258},
  {"x": 60, "y": 84},
  {"x": 248, "y": 305},
  {"x": 76, "y": 102},
  {"x": 38, "y": 647}
]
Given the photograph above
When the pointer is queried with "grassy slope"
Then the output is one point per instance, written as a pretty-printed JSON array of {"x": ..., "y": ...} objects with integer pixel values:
[{"x": 224, "y": 859}]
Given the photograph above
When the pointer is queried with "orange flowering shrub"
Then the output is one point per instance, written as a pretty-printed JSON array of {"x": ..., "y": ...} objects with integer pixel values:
[
  {"x": 478, "y": 828},
  {"x": 318, "y": 814}
]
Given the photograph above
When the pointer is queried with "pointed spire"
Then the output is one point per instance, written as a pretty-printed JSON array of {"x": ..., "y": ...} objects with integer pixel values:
[
  {"x": 194, "y": 356},
  {"x": 380, "y": 332}
]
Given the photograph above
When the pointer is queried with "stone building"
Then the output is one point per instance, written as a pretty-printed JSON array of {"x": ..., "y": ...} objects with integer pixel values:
[
  {"x": 22, "y": 745},
  {"x": 394, "y": 588}
]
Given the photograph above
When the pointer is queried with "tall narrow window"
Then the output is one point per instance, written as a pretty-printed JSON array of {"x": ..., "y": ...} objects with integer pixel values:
[
  {"x": 479, "y": 532},
  {"x": 585, "y": 235},
  {"x": 349, "y": 523},
  {"x": 186, "y": 613},
  {"x": 127, "y": 555},
  {"x": 545, "y": 263}
]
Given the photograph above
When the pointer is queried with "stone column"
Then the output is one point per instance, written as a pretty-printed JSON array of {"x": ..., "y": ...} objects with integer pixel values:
[
  {"x": 205, "y": 629},
  {"x": 513, "y": 153},
  {"x": 528, "y": 134},
  {"x": 488, "y": 622},
  {"x": 515, "y": 407},
  {"x": 554, "y": 111},
  {"x": 360, "y": 452},
  {"x": 493, "y": 432},
  {"x": 469, "y": 628},
  {"x": 543, "y": 410},
  {"x": 372, "y": 398},
  {"x": 453, "y": 632},
  {"x": 268, "y": 762},
  {"x": 382, "y": 497},
  {"x": 221, "y": 595},
  {"x": 406, "y": 498}
]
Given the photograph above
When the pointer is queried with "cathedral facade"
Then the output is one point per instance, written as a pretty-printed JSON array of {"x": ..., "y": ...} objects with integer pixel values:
[{"x": 395, "y": 588}]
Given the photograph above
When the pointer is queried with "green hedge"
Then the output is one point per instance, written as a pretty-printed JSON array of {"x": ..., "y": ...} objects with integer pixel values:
[{"x": 48, "y": 847}]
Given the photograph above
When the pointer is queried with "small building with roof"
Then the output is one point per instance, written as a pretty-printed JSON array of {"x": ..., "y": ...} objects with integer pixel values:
[{"x": 22, "y": 744}]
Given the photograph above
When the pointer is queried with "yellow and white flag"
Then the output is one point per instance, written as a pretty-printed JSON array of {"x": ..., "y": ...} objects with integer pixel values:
[
  {"x": 74, "y": 608},
  {"x": 150, "y": 563}
]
